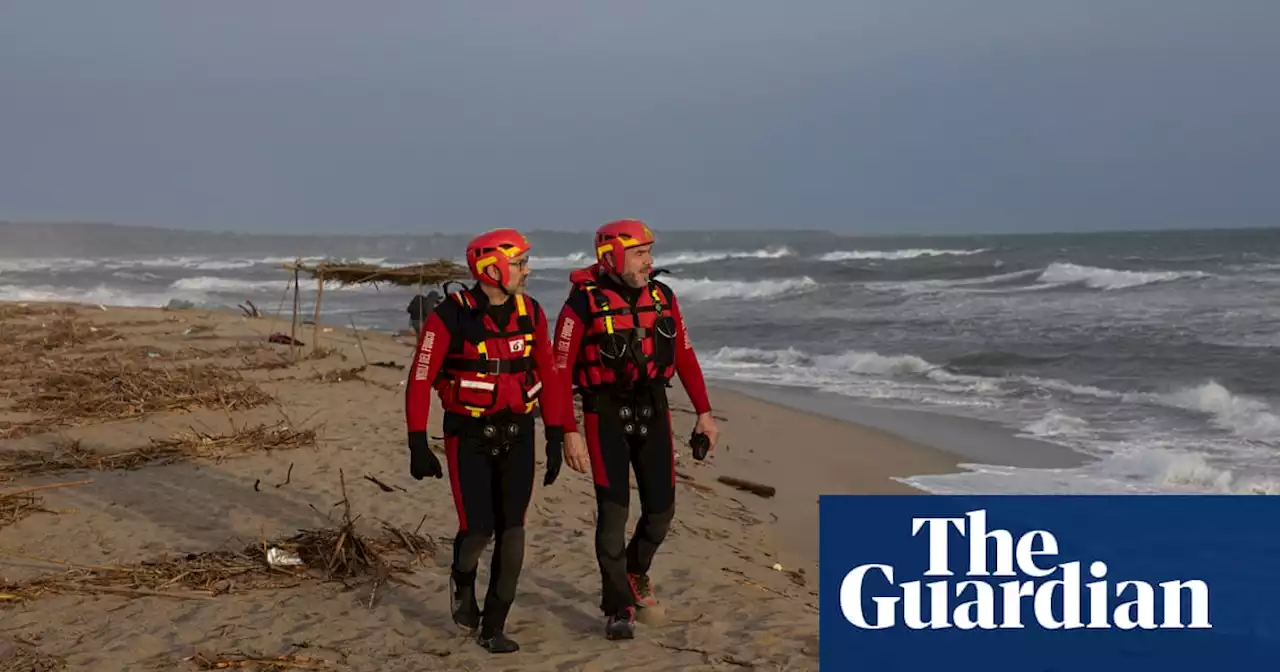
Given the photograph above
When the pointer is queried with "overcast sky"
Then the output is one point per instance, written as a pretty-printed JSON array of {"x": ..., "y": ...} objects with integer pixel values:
[{"x": 887, "y": 116}]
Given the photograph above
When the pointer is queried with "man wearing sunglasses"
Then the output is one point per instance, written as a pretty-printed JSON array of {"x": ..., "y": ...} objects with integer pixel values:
[{"x": 620, "y": 338}]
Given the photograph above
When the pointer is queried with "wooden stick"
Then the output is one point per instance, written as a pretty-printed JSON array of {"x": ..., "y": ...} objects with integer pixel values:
[
  {"x": 293, "y": 329},
  {"x": 689, "y": 481},
  {"x": 315, "y": 322},
  {"x": 49, "y": 486},
  {"x": 359, "y": 341},
  {"x": 765, "y": 491},
  {"x": 142, "y": 592},
  {"x": 54, "y": 561}
]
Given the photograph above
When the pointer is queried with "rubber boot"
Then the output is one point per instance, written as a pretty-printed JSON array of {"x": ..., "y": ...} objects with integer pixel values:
[
  {"x": 462, "y": 601},
  {"x": 495, "y": 618}
]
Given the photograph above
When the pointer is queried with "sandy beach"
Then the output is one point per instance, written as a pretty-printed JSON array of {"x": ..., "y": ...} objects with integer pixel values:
[{"x": 145, "y": 459}]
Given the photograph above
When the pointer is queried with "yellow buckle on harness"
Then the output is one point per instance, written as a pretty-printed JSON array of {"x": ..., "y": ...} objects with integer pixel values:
[
  {"x": 523, "y": 311},
  {"x": 604, "y": 307},
  {"x": 483, "y": 349}
]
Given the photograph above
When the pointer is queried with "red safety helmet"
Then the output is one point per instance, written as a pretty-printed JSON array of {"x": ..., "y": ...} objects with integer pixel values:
[
  {"x": 613, "y": 239},
  {"x": 495, "y": 248}
]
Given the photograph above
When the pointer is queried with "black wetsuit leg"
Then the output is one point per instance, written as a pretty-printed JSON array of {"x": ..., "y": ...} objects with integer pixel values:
[
  {"x": 491, "y": 494},
  {"x": 614, "y": 454},
  {"x": 512, "y": 491},
  {"x": 655, "y": 466}
]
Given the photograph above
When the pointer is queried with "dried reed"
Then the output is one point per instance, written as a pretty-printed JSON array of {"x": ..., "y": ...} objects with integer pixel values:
[
  {"x": 111, "y": 388},
  {"x": 72, "y": 456},
  {"x": 335, "y": 554}
]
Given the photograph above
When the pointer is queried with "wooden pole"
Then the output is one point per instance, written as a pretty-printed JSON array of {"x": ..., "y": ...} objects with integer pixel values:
[
  {"x": 293, "y": 329},
  {"x": 359, "y": 341},
  {"x": 315, "y": 324}
]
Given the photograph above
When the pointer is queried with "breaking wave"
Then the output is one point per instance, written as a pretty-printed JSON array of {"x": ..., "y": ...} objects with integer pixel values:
[
  {"x": 894, "y": 255},
  {"x": 1108, "y": 278},
  {"x": 705, "y": 289},
  {"x": 1239, "y": 415},
  {"x": 97, "y": 295},
  {"x": 1132, "y": 469},
  {"x": 580, "y": 259},
  {"x": 1055, "y": 275},
  {"x": 1243, "y": 416}
]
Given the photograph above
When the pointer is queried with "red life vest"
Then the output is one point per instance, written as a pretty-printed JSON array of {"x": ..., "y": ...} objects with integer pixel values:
[
  {"x": 624, "y": 344},
  {"x": 490, "y": 368}
]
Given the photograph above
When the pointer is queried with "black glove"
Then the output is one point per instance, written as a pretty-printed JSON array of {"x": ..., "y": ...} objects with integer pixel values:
[
  {"x": 422, "y": 462},
  {"x": 555, "y": 454},
  {"x": 701, "y": 445}
]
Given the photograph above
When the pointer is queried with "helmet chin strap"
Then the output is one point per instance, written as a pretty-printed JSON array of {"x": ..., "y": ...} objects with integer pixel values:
[{"x": 500, "y": 285}]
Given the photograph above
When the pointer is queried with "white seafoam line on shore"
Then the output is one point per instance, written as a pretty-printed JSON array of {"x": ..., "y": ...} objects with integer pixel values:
[{"x": 1161, "y": 461}]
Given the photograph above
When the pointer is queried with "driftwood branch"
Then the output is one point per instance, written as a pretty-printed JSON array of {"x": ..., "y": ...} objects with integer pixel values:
[
  {"x": 689, "y": 481},
  {"x": 765, "y": 491}
]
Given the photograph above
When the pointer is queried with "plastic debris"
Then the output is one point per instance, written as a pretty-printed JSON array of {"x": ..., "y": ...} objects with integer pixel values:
[{"x": 279, "y": 557}]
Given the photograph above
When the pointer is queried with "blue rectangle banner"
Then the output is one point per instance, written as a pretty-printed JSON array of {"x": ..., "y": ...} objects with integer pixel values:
[{"x": 1038, "y": 583}]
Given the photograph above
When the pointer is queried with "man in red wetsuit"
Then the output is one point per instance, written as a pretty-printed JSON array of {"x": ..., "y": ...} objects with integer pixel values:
[
  {"x": 485, "y": 352},
  {"x": 619, "y": 340}
]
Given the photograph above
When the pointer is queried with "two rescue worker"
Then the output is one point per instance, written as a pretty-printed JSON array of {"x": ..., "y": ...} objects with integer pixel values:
[{"x": 620, "y": 338}]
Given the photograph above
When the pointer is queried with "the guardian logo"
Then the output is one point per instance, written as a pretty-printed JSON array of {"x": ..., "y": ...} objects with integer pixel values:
[{"x": 1055, "y": 592}]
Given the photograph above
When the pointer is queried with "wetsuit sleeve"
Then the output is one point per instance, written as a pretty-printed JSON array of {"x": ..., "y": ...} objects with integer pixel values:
[
  {"x": 687, "y": 366},
  {"x": 433, "y": 346},
  {"x": 552, "y": 396},
  {"x": 568, "y": 340}
]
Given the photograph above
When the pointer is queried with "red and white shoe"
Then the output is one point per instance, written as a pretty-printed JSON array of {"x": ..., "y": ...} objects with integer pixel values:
[{"x": 642, "y": 590}]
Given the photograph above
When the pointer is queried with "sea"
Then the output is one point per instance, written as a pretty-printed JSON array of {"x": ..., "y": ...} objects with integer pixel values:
[{"x": 1153, "y": 355}]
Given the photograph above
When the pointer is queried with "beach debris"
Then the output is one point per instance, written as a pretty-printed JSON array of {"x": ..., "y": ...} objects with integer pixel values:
[
  {"x": 339, "y": 375},
  {"x": 709, "y": 657},
  {"x": 337, "y": 554},
  {"x": 747, "y": 581},
  {"x": 759, "y": 489},
  {"x": 691, "y": 482},
  {"x": 343, "y": 375},
  {"x": 388, "y": 364},
  {"x": 279, "y": 557},
  {"x": 73, "y": 456},
  {"x": 59, "y": 333},
  {"x": 288, "y": 476},
  {"x": 89, "y": 391},
  {"x": 18, "y": 655},
  {"x": 382, "y": 486},
  {"x": 284, "y": 339},
  {"x": 15, "y": 506},
  {"x": 796, "y": 575},
  {"x": 359, "y": 341},
  {"x": 323, "y": 352},
  {"x": 10, "y": 429},
  {"x": 10, "y": 311},
  {"x": 249, "y": 309},
  {"x": 239, "y": 661}
]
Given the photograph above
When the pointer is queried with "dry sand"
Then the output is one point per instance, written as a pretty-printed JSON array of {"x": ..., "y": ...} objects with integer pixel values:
[{"x": 726, "y": 607}]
